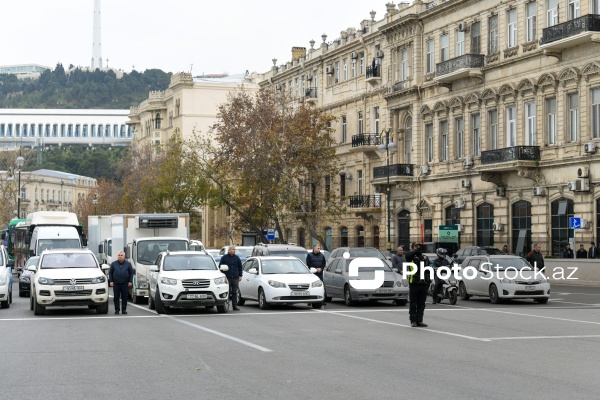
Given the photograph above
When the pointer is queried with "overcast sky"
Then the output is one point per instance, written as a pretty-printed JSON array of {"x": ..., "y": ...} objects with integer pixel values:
[{"x": 213, "y": 36}]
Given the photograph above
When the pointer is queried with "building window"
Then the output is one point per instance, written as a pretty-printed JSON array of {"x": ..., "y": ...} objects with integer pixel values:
[
  {"x": 376, "y": 119},
  {"x": 460, "y": 43},
  {"x": 352, "y": 68},
  {"x": 408, "y": 141},
  {"x": 344, "y": 127},
  {"x": 452, "y": 215},
  {"x": 337, "y": 71},
  {"x": 55, "y": 130},
  {"x": 157, "y": 121},
  {"x": 360, "y": 123},
  {"x": 344, "y": 237},
  {"x": 18, "y": 130},
  {"x": 25, "y": 130},
  {"x": 485, "y": 224},
  {"x": 93, "y": 130},
  {"x": 512, "y": 28},
  {"x": 444, "y": 141},
  {"x": 595, "y": 113},
  {"x": 430, "y": 57},
  {"x": 85, "y": 130},
  {"x": 429, "y": 138},
  {"x": 444, "y": 48},
  {"x": 297, "y": 86},
  {"x": 531, "y": 21},
  {"x": 70, "y": 130},
  {"x": 361, "y": 64},
  {"x": 552, "y": 12},
  {"x": 404, "y": 57},
  {"x": 521, "y": 227},
  {"x": 476, "y": 38},
  {"x": 574, "y": 117},
  {"x": 359, "y": 182},
  {"x": 530, "y": 124},
  {"x": 595, "y": 8},
  {"x": 493, "y": 34},
  {"x": 342, "y": 186},
  {"x": 574, "y": 11},
  {"x": 551, "y": 120},
  {"x": 476, "y": 133},
  {"x": 511, "y": 126},
  {"x": 562, "y": 211},
  {"x": 460, "y": 138},
  {"x": 345, "y": 75}
]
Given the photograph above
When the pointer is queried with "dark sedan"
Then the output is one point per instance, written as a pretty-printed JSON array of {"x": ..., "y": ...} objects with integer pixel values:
[{"x": 25, "y": 277}]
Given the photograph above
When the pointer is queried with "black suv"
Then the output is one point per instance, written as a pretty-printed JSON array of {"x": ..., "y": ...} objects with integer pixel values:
[
  {"x": 461, "y": 254},
  {"x": 263, "y": 249}
]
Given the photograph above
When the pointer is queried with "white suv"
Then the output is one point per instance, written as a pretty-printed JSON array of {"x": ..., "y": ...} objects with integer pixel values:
[
  {"x": 187, "y": 279},
  {"x": 6, "y": 280},
  {"x": 68, "y": 277}
]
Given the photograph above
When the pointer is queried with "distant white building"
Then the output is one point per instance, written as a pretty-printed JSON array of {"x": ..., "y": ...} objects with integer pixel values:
[
  {"x": 34, "y": 127},
  {"x": 23, "y": 71}
]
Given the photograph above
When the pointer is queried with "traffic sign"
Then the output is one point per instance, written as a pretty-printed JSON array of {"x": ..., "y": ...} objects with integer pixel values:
[
  {"x": 574, "y": 223},
  {"x": 271, "y": 234},
  {"x": 448, "y": 233}
]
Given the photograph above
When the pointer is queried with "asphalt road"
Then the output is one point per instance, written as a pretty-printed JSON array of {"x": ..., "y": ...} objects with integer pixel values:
[{"x": 474, "y": 350}]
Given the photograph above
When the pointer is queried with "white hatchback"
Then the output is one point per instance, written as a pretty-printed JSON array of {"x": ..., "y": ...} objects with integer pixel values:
[
  {"x": 502, "y": 277},
  {"x": 270, "y": 280},
  {"x": 68, "y": 277}
]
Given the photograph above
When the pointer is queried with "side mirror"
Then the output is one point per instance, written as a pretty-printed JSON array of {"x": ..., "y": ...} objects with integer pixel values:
[
  {"x": 153, "y": 268},
  {"x": 224, "y": 268},
  {"x": 32, "y": 268},
  {"x": 31, "y": 253},
  {"x": 101, "y": 248},
  {"x": 10, "y": 263},
  {"x": 313, "y": 270},
  {"x": 253, "y": 271},
  {"x": 105, "y": 267},
  {"x": 27, "y": 238},
  {"x": 127, "y": 252},
  {"x": 83, "y": 241}
]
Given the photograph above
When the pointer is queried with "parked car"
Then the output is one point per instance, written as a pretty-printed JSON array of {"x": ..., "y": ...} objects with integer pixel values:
[
  {"x": 214, "y": 253},
  {"x": 6, "y": 279},
  {"x": 187, "y": 279},
  {"x": 293, "y": 250},
  {"x": 462, "y": 254},
  {"x": 68, "y": 277},
  {"x": 276, "y": 280},
  {"x": 337, "y": 279},
  {"x": 502, "y": 277},
  {"x": 243, "y": 252},
  {"x": 25, "y": 277}
]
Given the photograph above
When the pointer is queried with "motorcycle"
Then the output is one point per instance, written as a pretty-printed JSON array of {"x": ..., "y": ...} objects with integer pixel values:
[{"x": 448, "y": 291}]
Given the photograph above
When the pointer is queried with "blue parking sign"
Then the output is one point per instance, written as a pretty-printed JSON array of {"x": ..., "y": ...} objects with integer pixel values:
[
  {"x": 271, "y": 234},
  {"x": 574, "y": 223}
]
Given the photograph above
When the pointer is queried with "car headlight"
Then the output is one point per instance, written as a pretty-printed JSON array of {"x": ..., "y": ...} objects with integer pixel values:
[
  {"x": 221, "y": 281},
  {"x": 543, "y": 279},
  {"x": 45, "y": 281},
  {"x": 100, "y": 279},
  {"x": 276, "y": 284},
  {"x": 24, "y": 279},
  {"x": 317, "y": 283},
  {"x": 506, "y": 280},
  {"x": 168, "y": 281},
  {"x": 3, "y": 280}
]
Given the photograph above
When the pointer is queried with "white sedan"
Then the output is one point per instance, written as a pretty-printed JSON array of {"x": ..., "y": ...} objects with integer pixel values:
[
  {"x": 271, "y": 280},
  {"x": 502, "y": 277}
]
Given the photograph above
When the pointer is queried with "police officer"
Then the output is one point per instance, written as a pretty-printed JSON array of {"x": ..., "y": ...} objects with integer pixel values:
[
  {"x": 417, "y": 286},
  {"x": 440, "y": 261},
  {"x": 120, "y": 277},
  {"x": 234, "y": 274}
]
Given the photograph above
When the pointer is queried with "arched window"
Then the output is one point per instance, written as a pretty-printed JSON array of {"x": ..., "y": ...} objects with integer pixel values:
[
  {"x": 521, "y": 227},
  {"x": 376, "y": 237},
  {"x": 403, "y": 229},
  {"x": 408, "y": 141},
  {"x": 343, "y": 236},
  {"x": 329, "y": 238},
  {"x": 561, "y": 211},
  {"x": 452, "y": 215},
  {"x": 301, "y": 237},
  {"x": 157, "y": 121},
  {"x": 288, "y": 235},
  {"x": 360, "y": 236},
  {"x": 485, "y": 221}
]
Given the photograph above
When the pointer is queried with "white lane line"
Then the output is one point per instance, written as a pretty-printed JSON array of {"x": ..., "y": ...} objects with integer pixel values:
[
  {"x": 535, "y": 316},
  {"x": 543, "y": 337},
  {"x": 571, "y": 302},
  {"x": 406, "y": 326},
  {"x": 223, "y": 335},
  {"x": 51, "y": 318}
]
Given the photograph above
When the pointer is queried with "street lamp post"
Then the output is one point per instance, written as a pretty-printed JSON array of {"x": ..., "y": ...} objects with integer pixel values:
[
  {"x": 19, "y": 163},
  {"x": 387, "y": 147},
  {"x": 95, "y": 203}
]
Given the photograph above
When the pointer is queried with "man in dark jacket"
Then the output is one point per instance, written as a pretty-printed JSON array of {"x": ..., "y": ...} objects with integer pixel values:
[
  {"x": 593, "y": 251},
  {"x": 234, "y": 274},
  {"x": 417, "y": 286},
  {"x": 567, "y": 253},
  {"x": 316, "y": 259},
  {"x": 582, "y": 252},
  {"x": 399, "y": 259},
  {"x": 535, "y": 257},
  {"x": 120, "y": 277}
]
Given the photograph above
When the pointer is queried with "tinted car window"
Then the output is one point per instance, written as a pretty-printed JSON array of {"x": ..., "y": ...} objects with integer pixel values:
[
  {"x": 182, "y": 262},
  {"x": 68, "y": 260}
]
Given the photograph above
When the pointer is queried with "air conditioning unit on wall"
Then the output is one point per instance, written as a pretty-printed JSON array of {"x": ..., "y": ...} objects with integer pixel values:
[
  {"x": 354, "y": 55},
  {"x": 583, "y": 172},
  {"x": 425, "y": 170},
  {"x": 460, "y": 203},
  {"x": 468, "y": 163},
  {"x": 465, "y": 183},
  {"x": 461, "y": 228},
  {"x": 462, "y": 27},
  {"x": 589, "y": 148},
  {"x": 538, "y": 191},
  {"x": 501, "y": 191},
  {"x": 497, "y": 226},
  {"x": 329, "y": 70},
  {"x": 582, "y": 185},
  {"x": 379, "y": 54}
]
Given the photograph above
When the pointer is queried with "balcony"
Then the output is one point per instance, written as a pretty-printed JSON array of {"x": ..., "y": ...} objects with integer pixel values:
[
  {"x": 310, "y": 95},
  {"x": 373, "y": 74},
  {"x": 304, "y": 210},
  {"x": 366, "y": 143},
  {"x": 465, "y": 66},
  {"x": 509, "y": 158},
  {"x": 366, "y": 207},
  {"x": 571, "y": 33}
]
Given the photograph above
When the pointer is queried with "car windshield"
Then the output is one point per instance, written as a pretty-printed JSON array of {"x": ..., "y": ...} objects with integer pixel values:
[
  {"x": 32, "y": 261},
  {"x": 148, "y": 250},
  {"x": 512, "y": 263},
  {"x": 300, "y": 255},
  {"x": 68, "y": 260},
  {"x": 290, "y": 266},
  {"x": 384, "y": 267},
  {"x": 490, "y": 250},
  {"x": 183, "y": 262},
  {"x": 214, "y": 253},
  {"x": 49, "y": 244},
  {"x": 366, "y": 253},
  {"x": 243, "y": 252}
]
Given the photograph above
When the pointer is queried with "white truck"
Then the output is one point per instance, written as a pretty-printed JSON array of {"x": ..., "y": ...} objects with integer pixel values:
[
  {"x": 53, "y": 230},
  {"x": 99, "y": 240},
  {"x": 142, "y": 237}
]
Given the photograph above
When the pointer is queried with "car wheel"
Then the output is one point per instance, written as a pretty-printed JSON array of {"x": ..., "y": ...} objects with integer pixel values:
[
  {"x": 453, "y": 296},
  {"x": 160, "y": 308},
  {"x": 318, "y": 305},
  {"x": 542, "y": 300},
  {"x": 262, "y": 300},
  {"x": 4, "y": 304},
  {"x": 348, "y": 297},
  {"x": 38, "y": 309},
  {"x": 31, "y": 302},
  {"x": 223, "y": 308},
  {"x": 400, "y": 302},
  {"x": 102, "y": 308},
  {"x": 240, "y": 299},
  {"x": 494, "y": 298},
  {"x": 462, "y": 292},
  {"x": 10, "y": 296},
  {"x": 151, "y": 303}
]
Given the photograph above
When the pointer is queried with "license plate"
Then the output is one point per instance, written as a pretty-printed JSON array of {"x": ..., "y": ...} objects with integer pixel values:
[
  {"x": 300, "y": 293},
  {"x": 529, "y": 288},
  {"x": 72, "y": 288},
  {"x": 384, "y": 291},
  {"x": 197, "y": 296}
]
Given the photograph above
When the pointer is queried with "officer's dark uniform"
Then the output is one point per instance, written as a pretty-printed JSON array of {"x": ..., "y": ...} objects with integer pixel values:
[
  {"x": 233, "y": 274},
  {"x": 417, "y": 287}
]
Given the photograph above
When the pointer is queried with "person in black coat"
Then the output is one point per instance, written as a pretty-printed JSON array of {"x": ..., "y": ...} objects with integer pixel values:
[
  {"x": 316, "y": 259},
  {"x": 582, "y": 252},
  {"x": 418, "y": 287},
  {"x": 593, "y": 251},
  {"x": 234, "y": 274},
  {"x": 567, "y": 253},
  {"x": 120, "y": 277}
]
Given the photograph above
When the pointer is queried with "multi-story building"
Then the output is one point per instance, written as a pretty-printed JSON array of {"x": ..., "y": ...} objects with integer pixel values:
[{"x": 495, "y": 112}]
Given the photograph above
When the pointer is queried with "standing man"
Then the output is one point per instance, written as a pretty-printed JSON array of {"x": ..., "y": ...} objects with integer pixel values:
[
  {"x": 120, "y": 277},
  {"x": 567, "y": 253},
  {"x": 536, "y": 258},
  {"x": 399, "y": 258},
  {"x": 593, "y": 251},
  {"x": 582, "y": 252},
  {"x": 417, "y": 286},
  {"x": 234, "y": 274},
  {"x": 316, "y": 259}
]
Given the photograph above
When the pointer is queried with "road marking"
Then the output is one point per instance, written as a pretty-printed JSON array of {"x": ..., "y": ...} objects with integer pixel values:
[
  {"x": 51, "y": 318},
  {"x": 406, "y": 326},
  {"x": 543, "y": 337}
]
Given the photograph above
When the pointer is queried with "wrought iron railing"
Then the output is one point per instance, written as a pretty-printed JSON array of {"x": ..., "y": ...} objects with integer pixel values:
[
  {"x": 399, "y": 86},
  {"x": 517, "y": 153},
  {"x": 366, "y": 139},
  {"x": 373, "y": 201},
  {"x": 306, "y": 207},
  {"x": 458, "y": 63},
  {"x": 587, "y": 23},
  {"x": 395, "y": 170},
  {"x": 310, "y": 93},
  {"x": 374, "y": 71}
]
